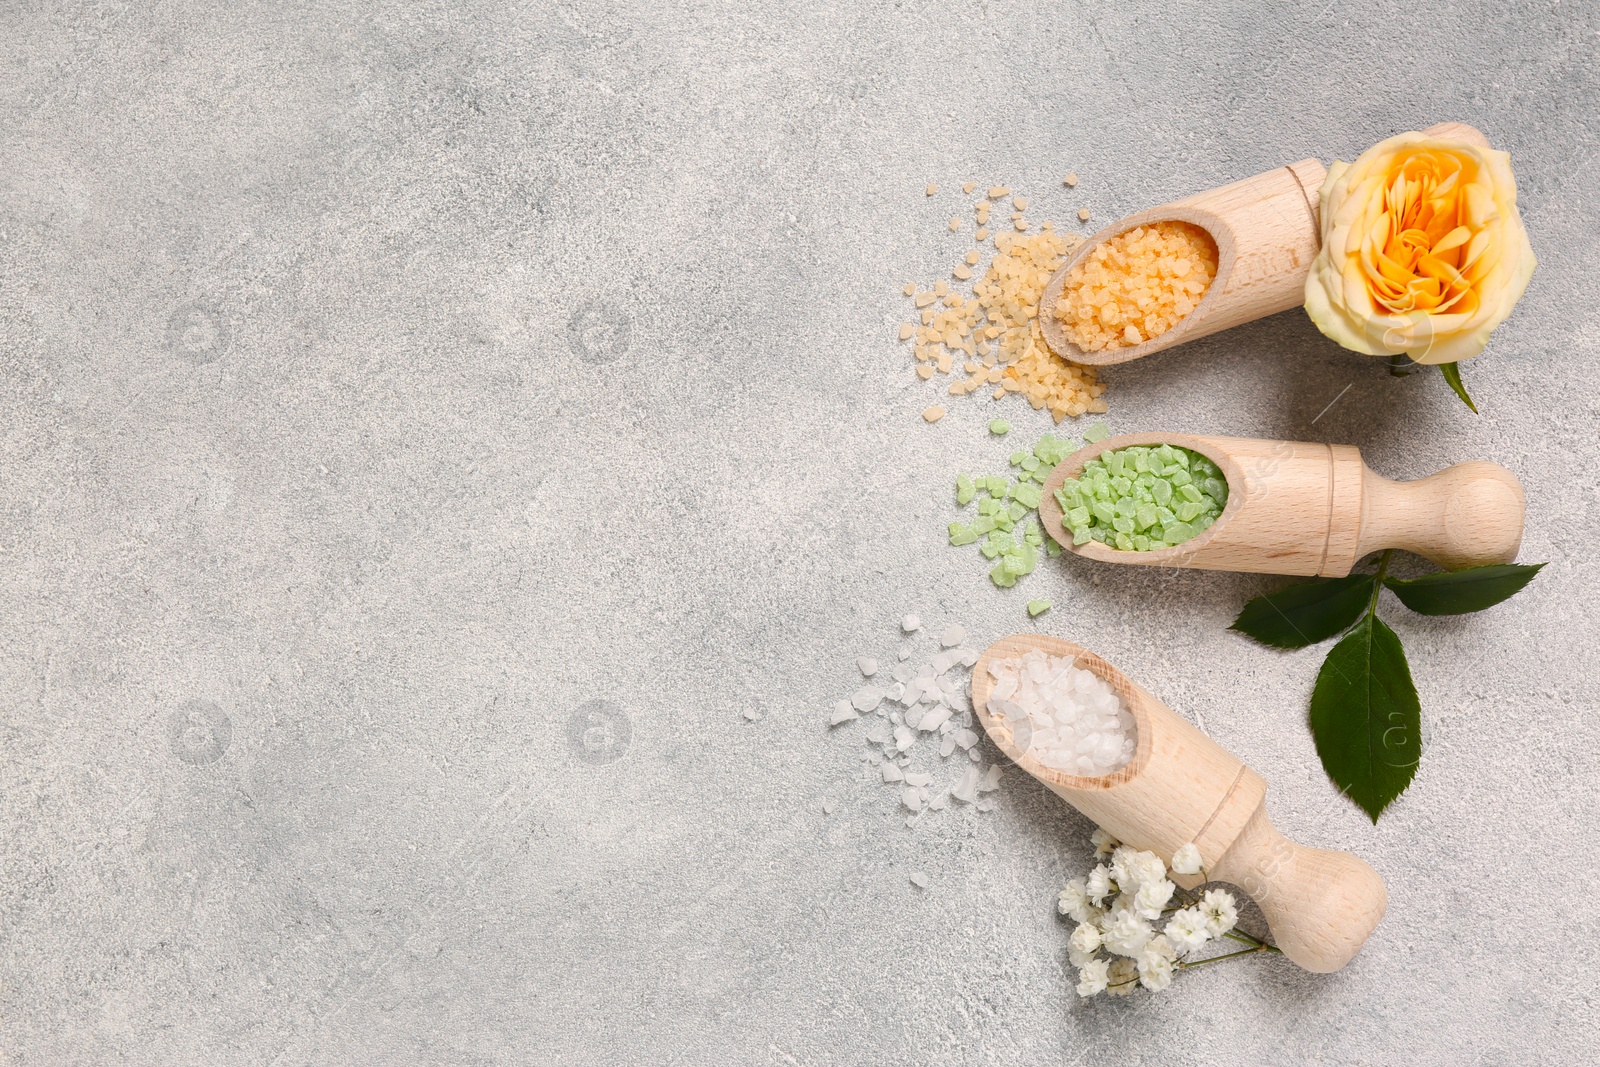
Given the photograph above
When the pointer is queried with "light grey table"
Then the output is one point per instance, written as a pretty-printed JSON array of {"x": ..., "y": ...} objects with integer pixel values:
[{"x": 427, "y": 431}]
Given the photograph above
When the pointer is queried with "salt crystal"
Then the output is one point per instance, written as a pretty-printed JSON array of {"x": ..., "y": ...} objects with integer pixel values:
[
  {"x": 891, "y": 774},
  {"x": 986, "y": 804},
  {"x": 934, "y": 719},
  {"x": 904, "y": 673},
  {"x": 912, "y": 798},
  {"x": 947, "y": 746},
  {"x": 828, "y": 806},
  {"x": 919, "y": 879},
  {"x": 903, "y": 738},
  {"x": 952, "y": 636},
  {"x": 918, "y": 779},
  {"x": 752, "y": 714},
  {"x": 910, "y": 624},
  {"x": 936, "y": 804},
  {"x": 867, "y": 699},
  {"x": 842, "y": 712},
  {"x": 868, "y": 665},
  {"x": 991, "y": 779},
  {"x": 966, "y": 789},
  {"x": 904, "y": 653}
]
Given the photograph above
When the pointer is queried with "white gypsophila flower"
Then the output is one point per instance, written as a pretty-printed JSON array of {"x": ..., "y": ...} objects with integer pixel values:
[
  {"x": 1086, "y": 938},
  {"x": 1152, "y": 898},
  {"x": 1074, "y": 897},
  {"x": 1093, "y": 976},
  {"x": 1098, "y": 884},
  {"x": 1186, "y": 930},
  {"x": 1220, "y": 910},
  {"x": 1122, "y": 977},
  {"x": 1118, "y": 865},
  {"x": 1103, "y": 842},
  {"x": 1187, "y": 860},
  {"x": 1078, "y": 959},
  {"x": 1125, "y": 933},
  {"x": 1156, "y": 963},
  {"x": 1142, "y": 869}
]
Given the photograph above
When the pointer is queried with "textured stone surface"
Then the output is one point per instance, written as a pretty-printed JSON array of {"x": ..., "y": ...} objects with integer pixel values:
[{"x": 426, "y": 431}]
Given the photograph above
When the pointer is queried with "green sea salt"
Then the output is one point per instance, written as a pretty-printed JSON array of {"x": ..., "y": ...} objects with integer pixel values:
[
  {"x": 1143, "y": 498},
  {"x": 1037, "y": 608},
  {"x": 1005, "y": 527},
  {"x": 999, "y": 427}
]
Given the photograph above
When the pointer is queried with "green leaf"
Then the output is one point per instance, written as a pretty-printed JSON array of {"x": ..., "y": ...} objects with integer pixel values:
[
  {"x": 1458, "y": 592},
  {"x": 1452, "y": 374},
  {"x": 1365, "y": 716},
  {"x": 1304, "y": 614}
]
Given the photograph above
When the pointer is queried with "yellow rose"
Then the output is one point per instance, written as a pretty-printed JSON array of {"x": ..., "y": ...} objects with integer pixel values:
[{"x": 1423, "y": 251}]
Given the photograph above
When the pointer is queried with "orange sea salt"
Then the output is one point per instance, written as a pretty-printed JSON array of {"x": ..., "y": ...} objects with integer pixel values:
[{"x": 1137, "y": 286}]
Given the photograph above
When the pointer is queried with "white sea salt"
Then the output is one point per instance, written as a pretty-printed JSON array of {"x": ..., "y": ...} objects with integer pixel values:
[
  {"x": 919, "y": 879},
  {"x": 910, "y": 624},
  {"x": 868, "y": 666},
  {"x": 842, "y": 712},
  {"x": 952, "y": 636},
  {"x": 1066, "y": 717}
]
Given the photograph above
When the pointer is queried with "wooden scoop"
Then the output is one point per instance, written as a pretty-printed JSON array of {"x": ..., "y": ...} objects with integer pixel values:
[
  {"x": 1301, "y": 508},
  {"x": 1183, "y": 788},
  {"x": 1267, "y": 230}
]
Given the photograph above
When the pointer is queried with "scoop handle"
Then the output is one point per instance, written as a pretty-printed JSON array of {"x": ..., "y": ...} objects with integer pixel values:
[
  {"x": 1468, "y": 515},
  {"x": 1321, "y": 905}
]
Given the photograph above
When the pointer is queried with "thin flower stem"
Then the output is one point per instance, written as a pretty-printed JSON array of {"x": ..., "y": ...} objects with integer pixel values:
[
  {"x": 1249, "y": 939},
  {"x": 1228, "y": 956}
]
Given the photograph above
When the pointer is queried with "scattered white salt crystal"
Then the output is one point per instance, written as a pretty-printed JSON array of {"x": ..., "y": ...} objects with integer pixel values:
[
  {"x": 880, "y": 734},
  {"x": 966, "y": 738},
  {"x": 904, "y": 672},
  {"x": 991, "y": 779},
  {"x": 868, "y": 665},
  {"x": 828, "y": 806},
  {"x": 842, "y": 712},
  {"x": 966, "y": 788},
  {"x": 937, "y": 803},
  {"x": 919, "y": 879},
  {"x": 910, "y": 624},
  {"x": 904, "y": 653},
  {"x": 934, "y": 719},
  {"x": 947, "y": 746},
  {"x": 986, "y": 804},
  {"x": 752, "y": 714},
  {"x": 903, "y": 738},
  {"x": 912, "y": 799},
  {"x": 952, "y": 636},
  {"x": 892, "y": 773},
  {"x": 974, "y": 755},
  {"x": 895, "y": 717},
  {"x": 919, "y": 780},
  {"x": 867, "y": 699}
]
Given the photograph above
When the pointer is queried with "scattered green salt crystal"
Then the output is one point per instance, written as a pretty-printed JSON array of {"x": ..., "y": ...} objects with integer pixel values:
[
  {"x": 1017, "y": 458},
  {"x": 1097, "y": 432},
  {"x": 964, "y": 489},
  {"x": 1026, "y": 495},
  {"x": 1052, "y": 549},
  {"x": 999, "y": 427},
  {"x": 961, "y": 534},
  {"x": 1037, "y": 608}
]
